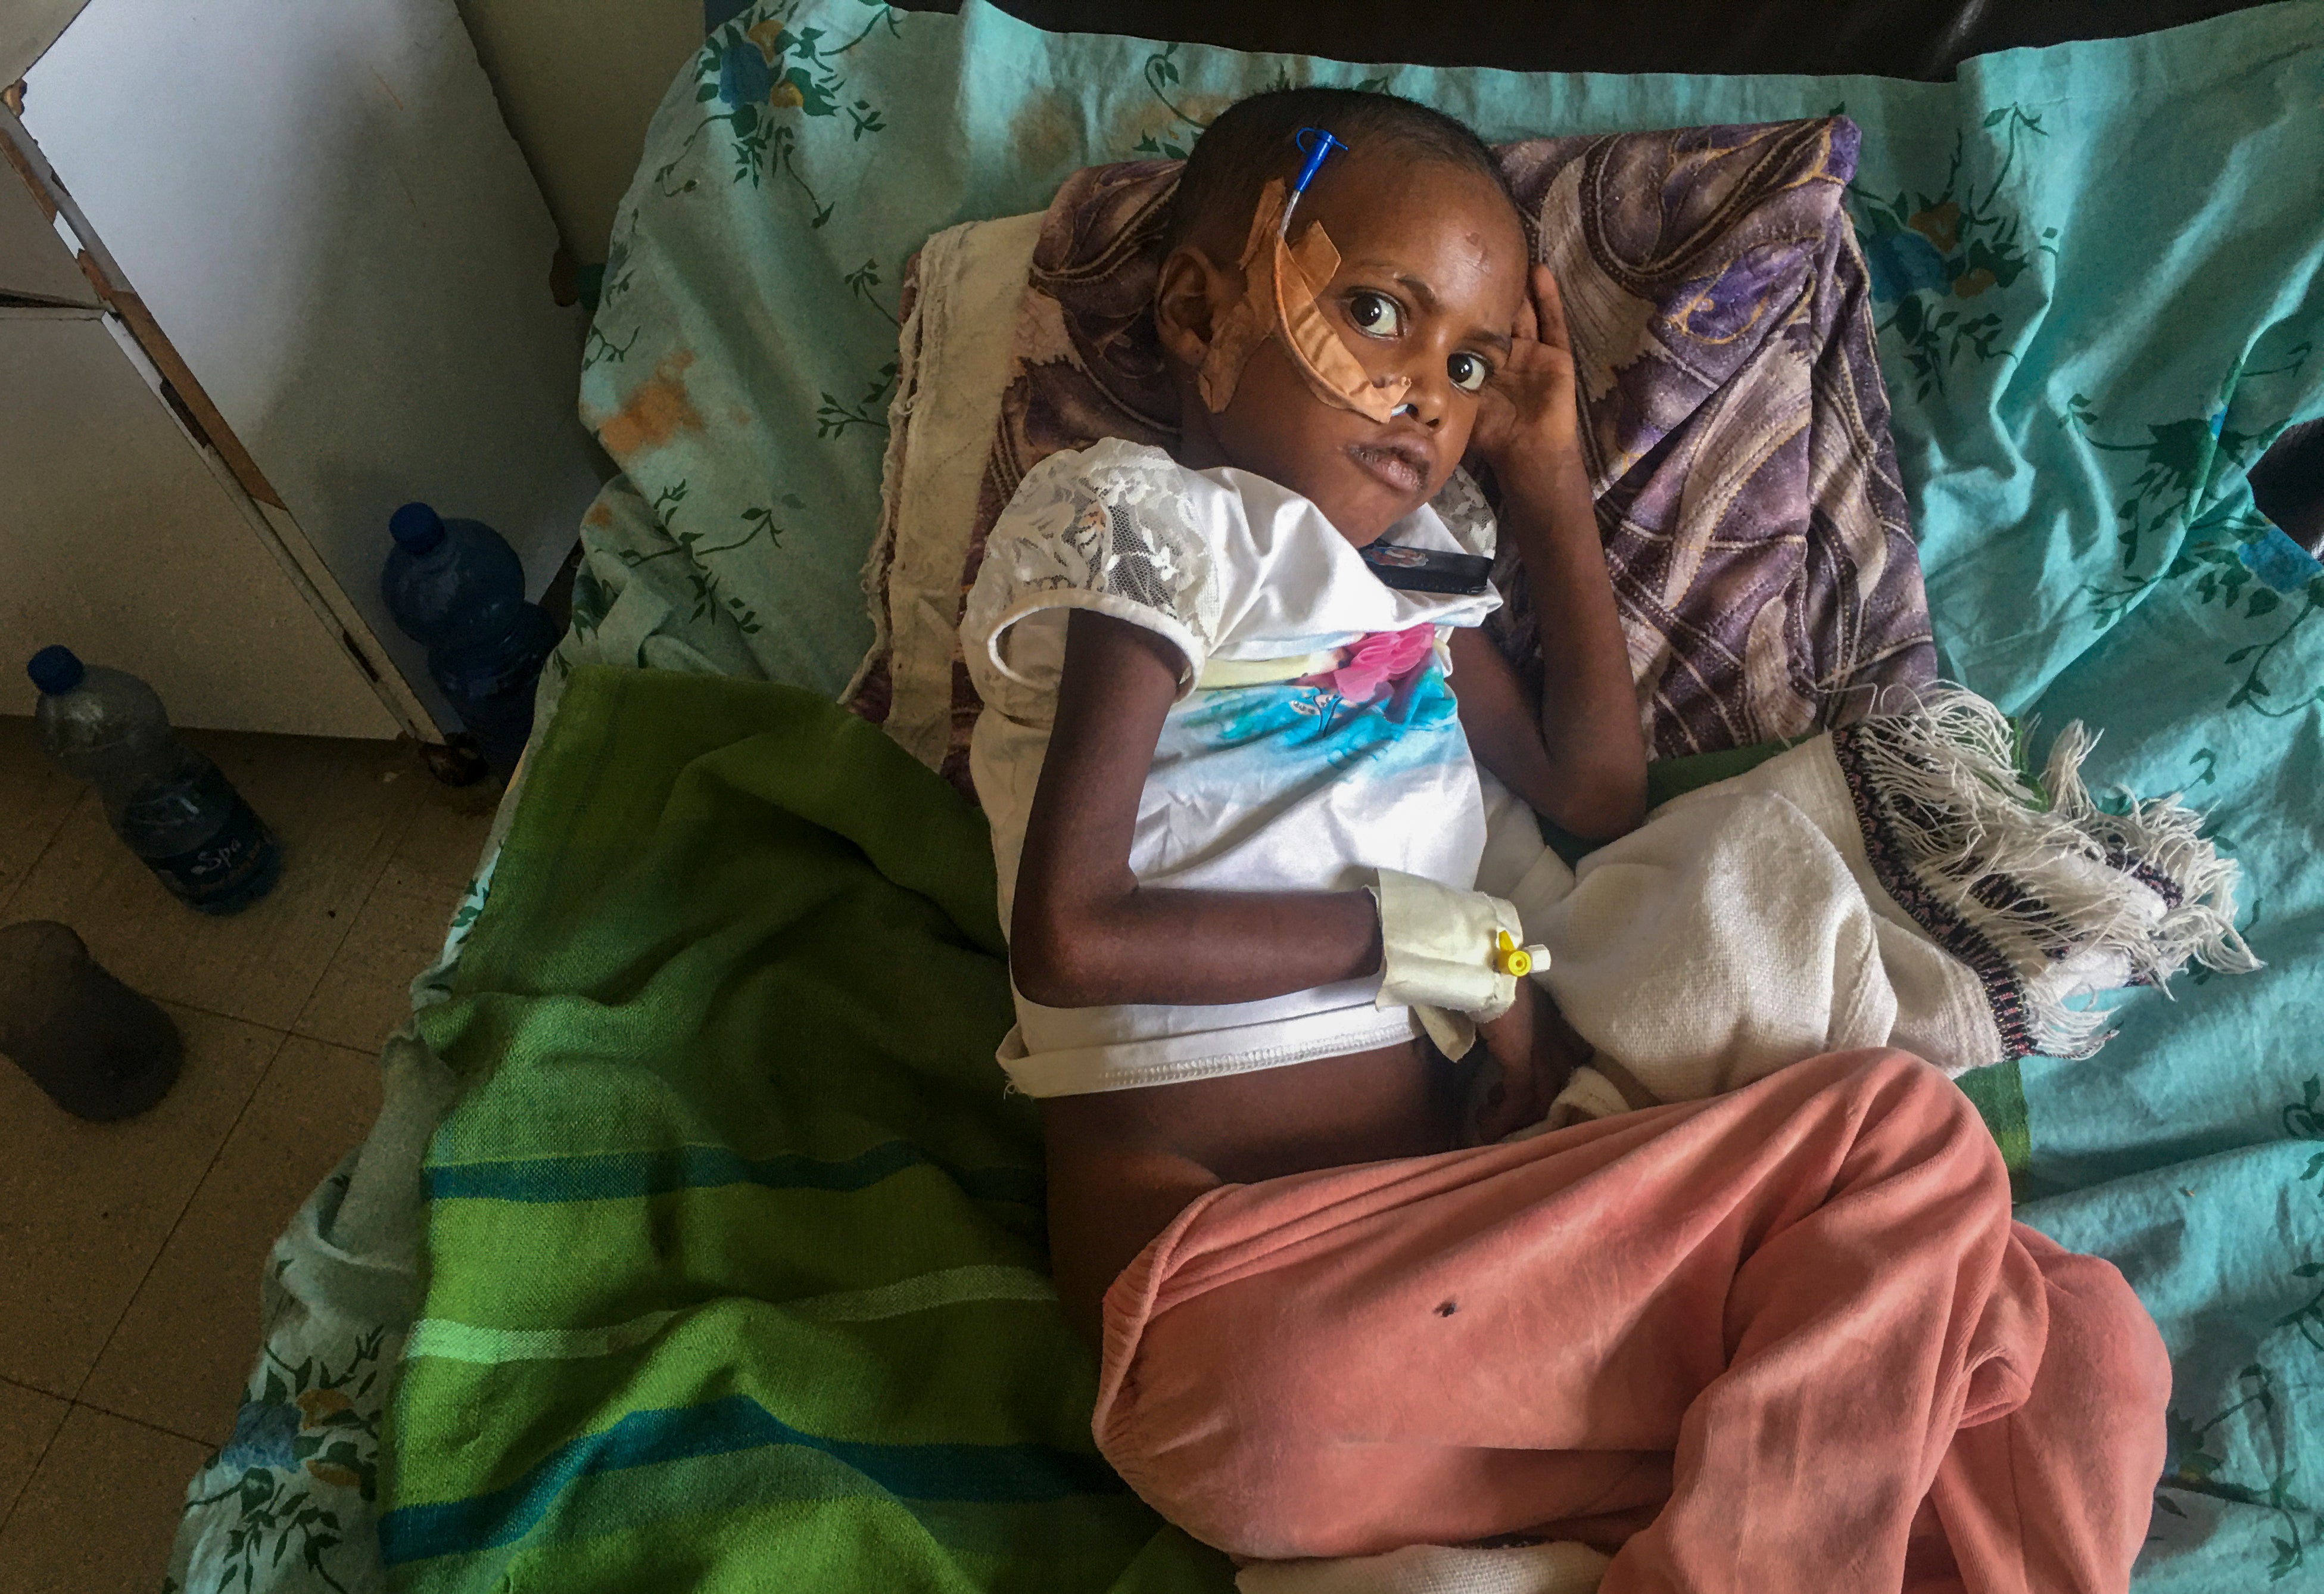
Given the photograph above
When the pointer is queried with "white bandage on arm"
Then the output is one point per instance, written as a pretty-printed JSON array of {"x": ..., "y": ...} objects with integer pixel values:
[{"x": 1439, "y": 955}]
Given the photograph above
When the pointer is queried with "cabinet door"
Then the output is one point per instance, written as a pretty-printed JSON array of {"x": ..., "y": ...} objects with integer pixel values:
[
  {"x": 321, "y": 206},
  {"x": 116, "y": 539}
]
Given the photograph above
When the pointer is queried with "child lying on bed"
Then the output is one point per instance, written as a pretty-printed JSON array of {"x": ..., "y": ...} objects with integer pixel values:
[{"x": 1786, "y": 1338}]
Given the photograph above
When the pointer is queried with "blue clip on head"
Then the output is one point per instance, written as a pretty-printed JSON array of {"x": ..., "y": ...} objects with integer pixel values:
[{"x": 1316, "y": 142}]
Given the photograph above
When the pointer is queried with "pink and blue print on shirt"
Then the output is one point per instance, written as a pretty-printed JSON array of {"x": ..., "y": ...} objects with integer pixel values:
[{"x": 1260, "y": 745}]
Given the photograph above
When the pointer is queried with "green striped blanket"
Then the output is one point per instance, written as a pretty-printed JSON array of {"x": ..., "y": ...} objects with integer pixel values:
[
  {"x": 738, "y": 1277},
  {"x": 737, "y": 1265}
]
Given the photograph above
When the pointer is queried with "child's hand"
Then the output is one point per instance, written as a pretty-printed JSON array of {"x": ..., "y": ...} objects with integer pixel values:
[
  {"x": 1538, "y": 1052},
  {"x": 1528, "y": 415}
]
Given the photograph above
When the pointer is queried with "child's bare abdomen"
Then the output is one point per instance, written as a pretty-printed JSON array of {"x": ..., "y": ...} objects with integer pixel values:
[{"x": 1121, "y": 1163}]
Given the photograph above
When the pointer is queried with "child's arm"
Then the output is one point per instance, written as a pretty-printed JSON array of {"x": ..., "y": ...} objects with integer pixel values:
[
  {"x": 1577, "y": 755},
  {"x": 1083, "y": 932}
]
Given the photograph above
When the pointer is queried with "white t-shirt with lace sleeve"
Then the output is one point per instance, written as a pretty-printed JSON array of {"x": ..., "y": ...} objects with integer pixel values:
[{"x": 1281, "y": 784}]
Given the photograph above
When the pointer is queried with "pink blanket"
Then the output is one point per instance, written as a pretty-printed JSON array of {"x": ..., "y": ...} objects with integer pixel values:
[{"x": 1785, "y": 1339}]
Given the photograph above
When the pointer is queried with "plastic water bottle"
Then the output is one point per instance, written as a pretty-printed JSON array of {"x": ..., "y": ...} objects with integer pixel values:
[
  {"x": 174, "y": 809},
  {"x": 458, "y": 588}
]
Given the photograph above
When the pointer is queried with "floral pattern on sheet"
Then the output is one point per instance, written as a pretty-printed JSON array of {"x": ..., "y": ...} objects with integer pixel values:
[
  {"x": 695, "y": 546},
  {"x": 753, "y": 71},
  {"x": 2214, "y": 1466},
  {"x": 2192, "y": 1473},
  {"x": 1175, "y": 120},
  {"x": 2178, "y": 532},
  {"x": 299, "y": 1474},
  {"x": 767, "y": 115},
  {"x": 757, "y": 81},
  {"x": 1933, "y": 257}
]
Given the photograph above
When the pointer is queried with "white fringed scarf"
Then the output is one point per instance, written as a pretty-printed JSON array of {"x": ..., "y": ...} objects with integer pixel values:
[
  {"x": 2043, "y": 893},
  {"x": 1895, "y": 882}
]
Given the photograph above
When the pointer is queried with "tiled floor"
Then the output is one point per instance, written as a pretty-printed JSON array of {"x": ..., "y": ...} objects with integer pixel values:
[{"x": 130, "y": 1253}]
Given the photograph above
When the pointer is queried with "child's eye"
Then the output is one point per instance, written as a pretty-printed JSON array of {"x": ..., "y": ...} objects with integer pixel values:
[
  {"x": 1468, "y": 372},
  {"x": 1376, "y": 314}
]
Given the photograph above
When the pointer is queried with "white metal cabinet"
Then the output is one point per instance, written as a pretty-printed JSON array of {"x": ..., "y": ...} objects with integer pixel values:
[
  {"x": 124, "y": 535},
  {"x": 96, "y": 467},
  {"x": 309, "y": 214}
]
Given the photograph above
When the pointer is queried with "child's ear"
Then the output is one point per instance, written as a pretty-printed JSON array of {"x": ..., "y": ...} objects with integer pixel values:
[{"x": 1190, "y": 296}]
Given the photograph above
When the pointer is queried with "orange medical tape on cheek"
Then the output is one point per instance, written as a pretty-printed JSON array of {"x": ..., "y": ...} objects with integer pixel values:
[
  {"x": 1280, "y": 282},
  {"x": 1323, "y": 358},
  {"x": 1245, "y": 327}
]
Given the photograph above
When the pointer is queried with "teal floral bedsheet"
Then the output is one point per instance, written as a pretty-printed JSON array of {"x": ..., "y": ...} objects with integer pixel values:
[{"x": 2098, "y": 272}]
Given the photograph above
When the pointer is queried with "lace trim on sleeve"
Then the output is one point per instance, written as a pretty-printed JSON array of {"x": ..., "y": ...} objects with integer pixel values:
[{"x": 1113, "y": 532}]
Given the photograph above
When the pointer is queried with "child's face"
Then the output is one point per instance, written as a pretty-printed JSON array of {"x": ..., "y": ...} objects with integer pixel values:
[{"x": 1432, "y": 267}]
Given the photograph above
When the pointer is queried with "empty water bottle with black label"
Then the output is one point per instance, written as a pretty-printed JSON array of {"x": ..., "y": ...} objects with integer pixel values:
[
  {"x": 455, "y": 586},
  {"x": 175, "y": 808}
]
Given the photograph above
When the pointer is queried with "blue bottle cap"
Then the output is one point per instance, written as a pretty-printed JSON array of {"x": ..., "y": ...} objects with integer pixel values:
[
  {"x": 56, "y": 670},
  {"x": 416, "y": 527}
]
